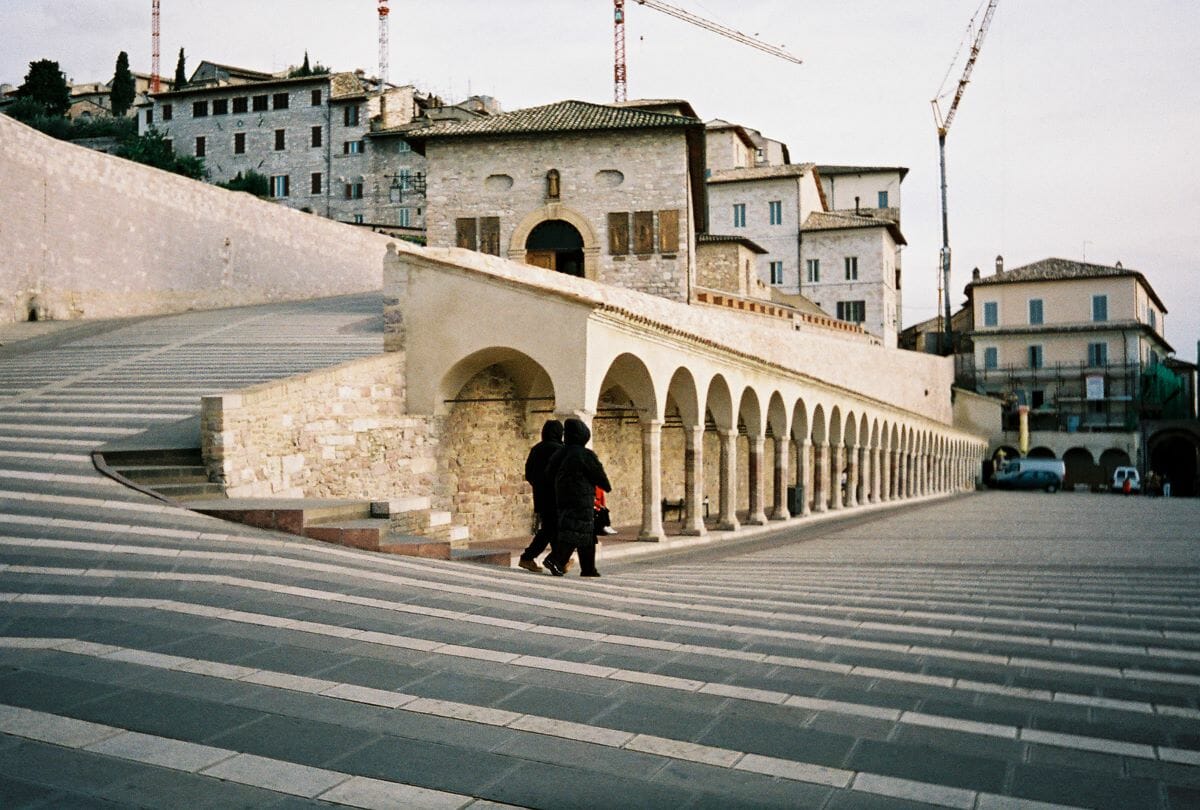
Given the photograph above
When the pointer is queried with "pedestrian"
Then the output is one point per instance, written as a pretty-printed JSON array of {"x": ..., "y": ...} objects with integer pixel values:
[
  {"x": 1166, "y": 486},
  {"x": 544, "y": 512},
  {"x": 576, "y": 472}
]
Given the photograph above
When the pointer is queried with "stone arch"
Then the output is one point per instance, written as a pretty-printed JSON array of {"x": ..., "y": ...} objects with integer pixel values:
[
  {"x": 1081, "y": 468},
  {"x": 1174, "y": 453},
  {"x": 800, "y": 420},
  {"x": 531, "y": 381},
  {"x": 1112, "y": 458},
  {"x": 1041, "y": 452},
  {"x": 820, "y": 430},
  {"x": 629, "y": 373},
  {"x": 559, "y": 211},
  {"x": 627, "y": 400},
  {"x": 559, "y": 246},
  {"x": 682, "y": 393},
  {"x": 718, "y": 403}
]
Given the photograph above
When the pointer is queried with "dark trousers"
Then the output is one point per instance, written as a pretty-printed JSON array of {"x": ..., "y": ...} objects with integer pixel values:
[
  {"x": 561, "y": 552},
  {"x": 545, "y": 535}
]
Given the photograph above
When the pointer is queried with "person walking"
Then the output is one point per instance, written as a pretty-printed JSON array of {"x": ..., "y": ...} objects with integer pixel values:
[
  {"x": 576, "y": 472},
  {"x": 545, "y": 512}
]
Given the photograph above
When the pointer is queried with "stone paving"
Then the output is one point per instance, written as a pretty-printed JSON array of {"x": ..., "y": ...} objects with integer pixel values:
[{"x": 1002, "y": 650}]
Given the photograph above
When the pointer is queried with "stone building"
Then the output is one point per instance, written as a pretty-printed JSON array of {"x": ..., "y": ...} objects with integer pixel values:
[
  {"x": 613, "y": 193},
  {"x": 306, "y": 134},
  {"x": 1077, "y": 353}
]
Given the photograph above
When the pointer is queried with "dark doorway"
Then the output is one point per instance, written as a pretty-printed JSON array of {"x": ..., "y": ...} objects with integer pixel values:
[
  {"x": 1041, "y": 452},
  {"x": 1173, "y": 455},
  {"x": 1081, "y": 469},
  {"x": 555, "y": 245}
]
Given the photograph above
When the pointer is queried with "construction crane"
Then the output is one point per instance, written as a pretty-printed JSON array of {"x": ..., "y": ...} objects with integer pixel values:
[
  {"x": 383, "y": 41},
  {"x": 155, "y": 76},
  {"x": 620, "y": 74},
  {"x": 943, "y": 127}
]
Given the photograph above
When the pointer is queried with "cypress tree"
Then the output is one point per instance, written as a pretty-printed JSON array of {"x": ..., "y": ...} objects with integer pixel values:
[
  {"x": 122, "y": 87},
  {"x": 180, "y": 71},
  {"x": 46, "y": 86}
]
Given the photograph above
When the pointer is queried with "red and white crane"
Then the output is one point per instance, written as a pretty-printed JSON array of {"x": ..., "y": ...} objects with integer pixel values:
[
  {"x": 620, "y": 72},
  {"x": 155, "y": 80},
  {"x": 383, "y": 41}
]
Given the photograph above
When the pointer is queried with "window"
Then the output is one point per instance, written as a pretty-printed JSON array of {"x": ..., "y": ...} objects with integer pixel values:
[
  {"x": 403, "y": 146},
  {"x": 883, "y": 200},
  {"x": 1099, "y": 307},
  {"x": 1035, "y": 311},
  {"x": 280, "y": 140},
  {"x": 220, "y": 106},
  {"x": 168, "y": 112},
  {"x": 280, "y": 187},
  {"x": 668, "y": 231},
  {"x": 316, "y": 98},
  {"x": 280, "y": 101},
  {"x": 643, "y": 232},
  {"x": 150, "y": 118},
  {"x": 404, "y": 217},
  {"x": 239, "y": 143},
  {"x": 852, "y": 311},
  {"x": 991, "y": 313},
  {"x": 315, "y": 183},
  {"x": 201, "y": 146},
  {"x": 991, "y": 358},
  {"x": 1037, "y": 398},
  {"x": 1035, "y": 356},
  {"x": 239, "y": 104},
  {"x": 260, "y": 103},
  {"x": 1152, "y": 317},
  {"x": 199, "y": 109},
  {"x": 358, "y": 219},
  {"x": 776, "y": 272},
  {"x": 813, "y": 269},
  {"x": 350, "y": 116},
  {"x": 354, "y": 191},
  {"x": 775, "y": 211},
  {"x": 618, "y": 233},
  {"x": 739, "y": 215},
  {"x": 1097, "y": 354},
  {"x": 352, "y": 148},
  {"x": 851, "y": 268}
]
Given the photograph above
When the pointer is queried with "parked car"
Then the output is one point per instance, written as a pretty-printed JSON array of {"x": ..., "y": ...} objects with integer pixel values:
[
  {"x": 1123, "y": 474},
  {"x": 1031, "y": 473}
]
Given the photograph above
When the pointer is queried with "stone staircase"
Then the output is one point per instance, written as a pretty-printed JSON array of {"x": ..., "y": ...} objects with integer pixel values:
[
  {"x": 408, "y": 526},
  {"x": 178, "y": 474}
]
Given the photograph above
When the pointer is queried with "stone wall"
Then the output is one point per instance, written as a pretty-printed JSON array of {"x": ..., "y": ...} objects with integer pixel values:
[
  {"x": 339, "y": 432},
  {"x": 89, "y": 235}
]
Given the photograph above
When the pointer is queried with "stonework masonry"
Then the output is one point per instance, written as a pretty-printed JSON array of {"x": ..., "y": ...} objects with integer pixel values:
[{"x": 89, "y": 235}]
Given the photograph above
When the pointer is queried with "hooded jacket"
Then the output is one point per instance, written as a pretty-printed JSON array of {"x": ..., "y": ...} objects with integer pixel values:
[
  {"x": 576, "y": 472},
  {"x": 536, "y": 463}
]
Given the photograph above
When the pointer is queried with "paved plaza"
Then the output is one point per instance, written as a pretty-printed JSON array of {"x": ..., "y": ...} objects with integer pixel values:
[{"x": 987, "y": 651}]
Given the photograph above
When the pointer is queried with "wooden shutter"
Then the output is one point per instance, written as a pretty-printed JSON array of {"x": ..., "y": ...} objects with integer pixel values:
[
  {"x": 465, "y": 232},
  {"x": 668, "y": 231},
  {"x": 489, "y": 235},
  {"x": 618, "y": 233},
  {"x": 643, "y": 232}
]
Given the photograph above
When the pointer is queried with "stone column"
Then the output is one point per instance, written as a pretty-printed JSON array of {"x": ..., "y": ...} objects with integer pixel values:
[
  {"x": 652, "y": 526},
  {"x": 804, "y": 476},
  {"x": 837, "y": 461},
  {"x": 728, "y": 519},
  {"x": 902, "y": 475},
  {"x": 821, "y": 478},
  {"x": 877, "y": 485},
  {"x": 850, "y": 497},
  {"x": 693, "y": 481},
  {"x": 864, "y": 466},
  {"x": 758, "y": 514},
  {"x": 779, "y": 506}
]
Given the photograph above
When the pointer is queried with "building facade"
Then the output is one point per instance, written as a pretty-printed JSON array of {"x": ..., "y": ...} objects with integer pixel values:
[
  {"x": 604, "y": 192},
  {"x": 1077, "y": 354}
]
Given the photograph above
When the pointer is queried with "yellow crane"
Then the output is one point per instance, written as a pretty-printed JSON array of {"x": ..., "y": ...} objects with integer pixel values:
[
  {"x": 620, "y": 74},
  {"x": 943, "y": 127}
]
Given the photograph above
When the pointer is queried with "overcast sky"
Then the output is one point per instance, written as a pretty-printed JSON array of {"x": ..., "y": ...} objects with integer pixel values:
[{"x": 1075, "y": 139}]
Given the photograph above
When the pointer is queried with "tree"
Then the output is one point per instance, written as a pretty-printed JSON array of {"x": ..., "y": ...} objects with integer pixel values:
[
  {"x": 153, "y": 149},
  {"x": 46, "y": 86},
  {"x": 180, "y": 71},
  {"x": 123, "y": 89},
  {"x": 306, "y": 69},
  {"x": 252, "y": 182}
]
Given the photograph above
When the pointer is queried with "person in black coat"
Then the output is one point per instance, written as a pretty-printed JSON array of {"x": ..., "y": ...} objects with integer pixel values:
[
  {"x": 543, "y": 492},
  {"x": 576, "y": 472}
]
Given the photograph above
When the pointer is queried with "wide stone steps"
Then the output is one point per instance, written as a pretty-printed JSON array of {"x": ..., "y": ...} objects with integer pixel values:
[{"x": 407, "y": 527}]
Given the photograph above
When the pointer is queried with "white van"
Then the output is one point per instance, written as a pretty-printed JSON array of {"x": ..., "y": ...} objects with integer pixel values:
[
  {"x": 1031, "y": 473},
  {"x": 1123, "y": 474}
]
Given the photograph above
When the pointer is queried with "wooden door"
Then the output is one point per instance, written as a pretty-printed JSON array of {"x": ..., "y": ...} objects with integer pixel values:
[{"x": 540, "y": 258}]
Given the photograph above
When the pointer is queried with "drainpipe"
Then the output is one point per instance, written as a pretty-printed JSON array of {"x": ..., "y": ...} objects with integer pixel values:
[{"x": 800, "y": 242}]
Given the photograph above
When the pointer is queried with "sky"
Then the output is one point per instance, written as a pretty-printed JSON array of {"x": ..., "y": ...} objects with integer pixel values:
[{"x": 1075, "y": 139}]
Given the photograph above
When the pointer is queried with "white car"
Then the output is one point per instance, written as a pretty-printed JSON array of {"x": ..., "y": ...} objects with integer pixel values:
[{"x": 1123, "y": 474}]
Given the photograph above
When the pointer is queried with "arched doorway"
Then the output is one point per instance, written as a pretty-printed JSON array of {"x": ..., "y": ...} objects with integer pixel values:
[
  {"x": 1081, "y": 469},
  {"x": 555, "y": 245},
  {"x": 1175, "y": 456}
]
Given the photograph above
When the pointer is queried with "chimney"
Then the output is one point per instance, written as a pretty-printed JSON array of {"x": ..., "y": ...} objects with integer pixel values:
[
  {"x": 999, "y": 264},
  {"x": 975, "y": 276},
  {"x": 856, "y": 206},
  {"x": 1120, "y": 266}
]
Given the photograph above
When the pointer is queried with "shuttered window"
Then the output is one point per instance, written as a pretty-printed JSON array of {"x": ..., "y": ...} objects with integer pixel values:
[
  {"x": 618, "y": 233},
  {"x": 464, "y": 233},
  {"x": 489, "y": 235},
  {"x": 643, "y": 232},
  {"x": 668, "y": 231}
]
